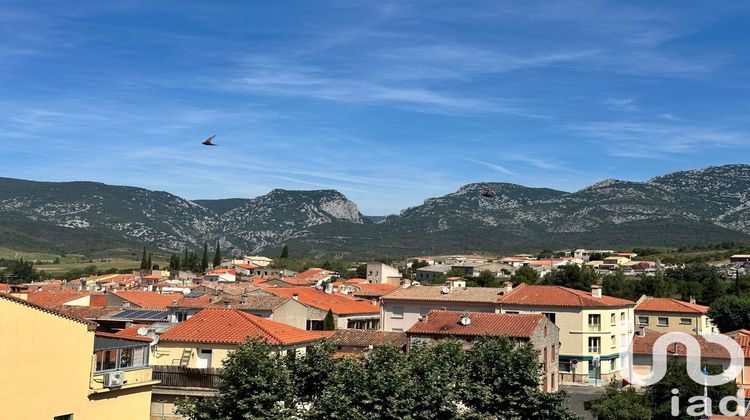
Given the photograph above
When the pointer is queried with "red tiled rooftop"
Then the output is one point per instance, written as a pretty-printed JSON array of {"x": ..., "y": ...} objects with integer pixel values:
[
  {"x": 645, "y": 345},
  {"x": 374, "y": 289},
  {"x": 339, "y": 304},
  {"x": 149, "y": 300},
  {"x": 543, "y": 295},
  {"x": 53, "y": 298},
  {"x": 650, "y": 304},
  {"x": 248, "y": 266},
  {"x": 231, "y": 326},
  {"x": 482, "y": 324},
  {"x": 90, "y": 324},
  {"x": 131, "y": 337}
]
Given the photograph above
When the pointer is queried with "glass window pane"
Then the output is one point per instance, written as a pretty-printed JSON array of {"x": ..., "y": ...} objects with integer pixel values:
[{"x": 126, "y": 358}]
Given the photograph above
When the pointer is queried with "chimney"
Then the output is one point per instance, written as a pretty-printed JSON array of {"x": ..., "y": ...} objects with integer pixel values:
[
  {"x": 596, "y": 291},
  {"x": 295, "y": 296},
  {"x": 641, "y": 331},
  {"x": 507, "y": 287},
  {"x": 692, "y": 300},
  {"x": 226, "y": 304}
]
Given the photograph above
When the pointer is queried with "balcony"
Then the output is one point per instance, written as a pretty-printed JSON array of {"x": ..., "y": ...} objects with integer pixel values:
[
  {"x": 193, "y": 379},
  {"x": 595, "y": 327},
  {"x": 595, "y": 349}
]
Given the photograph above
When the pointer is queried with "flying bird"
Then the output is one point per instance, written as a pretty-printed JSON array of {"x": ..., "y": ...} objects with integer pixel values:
[{"x": 210, "y": 141}]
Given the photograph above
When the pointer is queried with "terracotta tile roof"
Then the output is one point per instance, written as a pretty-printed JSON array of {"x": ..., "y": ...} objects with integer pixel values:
[
  {"x": 355, "y": 280},
  {"x": 131, "y": 337},
  {"x": 248, "y": 266},
  {"x": 131, "y": 333},
  {"x": 113, "y": 278},
  {"x": 370, "y": 290},
  {"x": 253, "y": 302},
  {"x": 435, "y": 293},
  {"x": 482, "y": 324},
  {"x": 88, "y": 312},
  {"x": 650, "y": 304},
  {"x": 91, "y": 325},
  {"x": 366, "y": 338},
  {"x": 148, "y": 300},
  {"x": 54, "y": 298},
  {"x": 339, "y": 304},
  {"x": 221, "y": 271},
  {"x": 542, "y": 295},
  {"x": 232, "y": 326},
  {"x": 645, "y": 345},
  {"x": 310, "y": 276}
]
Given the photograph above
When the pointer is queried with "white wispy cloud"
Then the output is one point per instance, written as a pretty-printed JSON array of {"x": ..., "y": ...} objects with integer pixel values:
[
  {"x": 494, "y": 166},
  {"x": 621, "y": 104}
]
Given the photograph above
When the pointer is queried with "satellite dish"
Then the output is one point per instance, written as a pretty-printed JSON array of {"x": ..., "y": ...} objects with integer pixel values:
[
  {"x": 142, "y": 331},
  {"x": 446, "y": 290},
  {"x": 465, "y": 320},
  {"x": 154, "y": 338}
]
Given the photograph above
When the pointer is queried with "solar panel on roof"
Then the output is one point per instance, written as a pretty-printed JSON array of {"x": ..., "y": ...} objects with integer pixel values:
[{"x": 139, "y": 314}]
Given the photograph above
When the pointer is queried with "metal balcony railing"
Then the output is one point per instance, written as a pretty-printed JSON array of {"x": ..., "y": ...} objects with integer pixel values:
[{"x": 185, "y": 377}]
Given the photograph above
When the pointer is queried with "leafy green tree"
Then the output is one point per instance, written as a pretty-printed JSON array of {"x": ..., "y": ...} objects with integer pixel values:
[
  {"x": 217, "y": 255},
  {"x": 329, "y": 324},
  {"x": 486, "y": 279},
  {"x": 19, "y": 271},
  {"x": 503, "y": 377},
  {"x": 656, "y": 285},
  {"x": 730, "y": 313},
  {"x": 437, "y": 372},
  {"x": 255, "y": 384},
  {"x": 702, "y": 281},
  {"x": 204, "y": 259},
  {"x": 311, "y": 372},
  {"x": 284, "y": 252},
  {"x": 620, "y": 404},
  {"x": 618, "y": 285},
  {"x": 525, "y": 274},
  {"x": 572, "y": 276}
]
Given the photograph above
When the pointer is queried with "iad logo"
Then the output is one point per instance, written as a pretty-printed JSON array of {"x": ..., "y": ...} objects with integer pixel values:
[
  {"x": 693, "y": 359},
  {"x": 700, "y": 405}
]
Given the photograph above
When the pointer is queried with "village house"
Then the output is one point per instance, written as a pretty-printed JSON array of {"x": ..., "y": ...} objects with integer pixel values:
[
  {"x": 80, "y": 375},
  {"x": 535, "y": 330},
  {"x": 431, "y": 273},
  {"x": 347, "y": 312},
  {"x": 404, "y": 307},
  {"x": 221, "y": 275},
  {"x": 259, "y": 303},
  {"x": 593, "y": 328},
  {"x": 382, "y": 273},
  {"x": 672, "y": 315}
]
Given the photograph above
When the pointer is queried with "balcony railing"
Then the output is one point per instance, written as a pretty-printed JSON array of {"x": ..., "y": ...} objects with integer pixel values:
[
  {"x": 185, "y": 377},
  {"x": 594, "y": 349},
  {"x": 595, "y": 327}
]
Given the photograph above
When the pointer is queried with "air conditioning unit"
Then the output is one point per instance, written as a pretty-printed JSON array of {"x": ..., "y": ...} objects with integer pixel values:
[{"x": 114, "y": 379}]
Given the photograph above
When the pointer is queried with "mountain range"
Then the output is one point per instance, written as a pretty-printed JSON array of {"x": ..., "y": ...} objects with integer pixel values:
[{"x": 681, "y": 208}]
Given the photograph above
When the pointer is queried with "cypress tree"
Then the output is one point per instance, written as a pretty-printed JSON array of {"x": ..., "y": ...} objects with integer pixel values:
[
  {"x": 328, "y": 323},
  {"x": 143, "y": 259},
  {"x": 204, "y": 260},
  {"x": 185, "y": 261},
  {"x": 285, "y": 252},
  {"x": 148, "y": 262},
  {"x": 217, "y": 255}
]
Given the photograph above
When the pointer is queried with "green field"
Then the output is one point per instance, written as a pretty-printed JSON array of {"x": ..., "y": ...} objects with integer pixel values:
[
  {"x": 10, "y": 254},
  {"x": 102, "y": 264}
]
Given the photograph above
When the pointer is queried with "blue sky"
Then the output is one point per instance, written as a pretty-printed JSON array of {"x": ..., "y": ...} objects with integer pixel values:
[{"x": 388, "y": 103}]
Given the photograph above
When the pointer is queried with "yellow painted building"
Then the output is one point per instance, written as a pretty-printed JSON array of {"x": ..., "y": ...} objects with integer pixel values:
[
  {"x": 54, "y": 367},
  {"x": 593, "y": 328},
  {"x": 672, "y": 315}
]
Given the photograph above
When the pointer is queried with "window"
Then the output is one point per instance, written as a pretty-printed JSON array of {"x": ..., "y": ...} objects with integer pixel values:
[
  {"x": 594, "y": 344},
  {"x": 612, "y": 341},
  {"x": 595, "y": 321},
  {"x": 613, "y": 365},
  {"x": 423, "y": 311},
  {"x": 182, "y": 316},
  {"x": 564, "y": 366},
  {"x": 622, "y": 316},
  {"x": 550, "y": 316},
  {"x": 512, "y": 312},
  {"x": 685, "y": 321},
  {"x": 397, "y": 329},
  {"x": 398, "y": 312},
  {"x": 106, "y": 360},
  {"x": 553, "y": 353},
  {"x": 545, "y": 334},
  {"x": 643, "y": 320},
  {"x": 612, "y": 319},
  {"x": 662, "y": 321},
  {"x": 130, "y": 357}
]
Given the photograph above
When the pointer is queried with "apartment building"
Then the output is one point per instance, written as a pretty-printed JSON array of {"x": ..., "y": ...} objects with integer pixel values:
[
  {"x": 672, "y": 315},
  {"x": 533, "y": 329},
  {"x": 56, "y": 367},
  {"x": 593, "y": 328}
]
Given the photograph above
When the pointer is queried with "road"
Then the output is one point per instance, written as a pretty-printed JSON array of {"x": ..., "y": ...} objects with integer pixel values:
[{"x": 578, "y": 394}]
